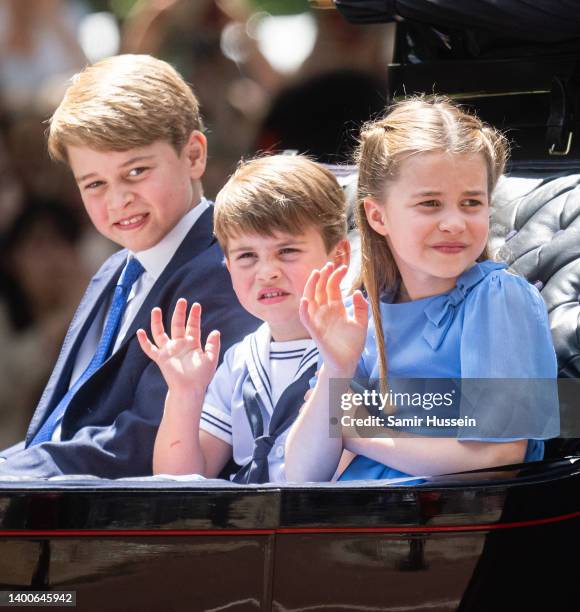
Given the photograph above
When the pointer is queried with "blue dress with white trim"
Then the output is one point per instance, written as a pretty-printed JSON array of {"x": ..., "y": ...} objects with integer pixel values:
[{"x": 492, "y": 324}]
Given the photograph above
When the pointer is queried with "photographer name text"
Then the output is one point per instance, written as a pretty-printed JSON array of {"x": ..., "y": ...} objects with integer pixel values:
[{"x": 415, "y": 421}]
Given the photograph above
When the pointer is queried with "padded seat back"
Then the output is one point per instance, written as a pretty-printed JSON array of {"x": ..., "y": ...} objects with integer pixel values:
[{"x": 535, "y": 228}]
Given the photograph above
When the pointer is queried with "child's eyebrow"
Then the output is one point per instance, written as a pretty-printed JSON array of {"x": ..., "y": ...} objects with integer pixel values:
[
  {"x": 468, "y": 192},
  {"x": 136, "y": 159},
  {"x": 475, "y": 192},
  {"x": 84, "y": 177},
  {"x": 290, "y": 242},
  {"x": 278, "y": 245}
]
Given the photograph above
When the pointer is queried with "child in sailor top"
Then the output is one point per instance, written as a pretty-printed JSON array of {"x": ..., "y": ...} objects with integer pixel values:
[
  {"x": 277, "y": 219},
  {"x": 254, "y": 398}
]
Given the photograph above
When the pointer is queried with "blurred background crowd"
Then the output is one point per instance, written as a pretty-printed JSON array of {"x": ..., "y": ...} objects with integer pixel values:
[{"x": 270, "y": 75}]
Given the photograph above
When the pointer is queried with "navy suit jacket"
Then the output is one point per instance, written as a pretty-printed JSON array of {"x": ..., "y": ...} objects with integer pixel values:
[{"x": 110, "y": 424}]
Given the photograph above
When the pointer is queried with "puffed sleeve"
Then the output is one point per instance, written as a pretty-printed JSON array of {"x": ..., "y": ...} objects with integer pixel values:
[
  {"x": 506, "y": 337},
  {"x": 216, "y": 415}
]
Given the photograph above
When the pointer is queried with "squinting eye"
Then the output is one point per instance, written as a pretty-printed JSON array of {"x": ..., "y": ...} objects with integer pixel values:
[
  {"x": 289, "y": 251},
  {"x": 136, "y": 171},
  {"x": 473, "y": 203},
  {"x": 245, "y": 256},
  {"x": 93, "y": 185},
  {"x": 429, "y": 203}
]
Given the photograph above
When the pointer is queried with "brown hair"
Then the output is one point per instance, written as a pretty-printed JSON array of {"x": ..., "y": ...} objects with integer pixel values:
[
  {"x": 280, "y": 193},
  {"x": 123, "y": 102},
  {"x": 415, "y": 125}
]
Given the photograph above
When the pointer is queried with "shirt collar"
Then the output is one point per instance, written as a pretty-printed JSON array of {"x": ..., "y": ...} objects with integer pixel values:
[{"x": 157, "y": 257}]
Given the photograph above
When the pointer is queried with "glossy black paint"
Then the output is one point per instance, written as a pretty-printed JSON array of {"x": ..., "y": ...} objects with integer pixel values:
[
  {"x": 497, "y": 540},
  {"x": 149, "y": 509}
]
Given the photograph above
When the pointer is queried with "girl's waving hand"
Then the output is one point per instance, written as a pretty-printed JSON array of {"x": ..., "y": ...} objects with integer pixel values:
[
  {"x": 340, "y": 338},
  {"x": 184, "y": 363}
]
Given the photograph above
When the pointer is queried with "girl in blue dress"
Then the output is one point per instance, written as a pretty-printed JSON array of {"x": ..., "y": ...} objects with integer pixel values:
[{"x": 437, "y": 306}]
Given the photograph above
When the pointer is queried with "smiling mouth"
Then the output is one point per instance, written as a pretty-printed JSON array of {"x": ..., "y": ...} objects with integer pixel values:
[
  {"x": 268, "y": 295},
  {"x": 131, "y": 222},
  {"x": 450, "y": 248}
]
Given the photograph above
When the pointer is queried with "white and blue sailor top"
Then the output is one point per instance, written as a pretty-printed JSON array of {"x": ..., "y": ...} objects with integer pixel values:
[{"x": 253, "y": 399}]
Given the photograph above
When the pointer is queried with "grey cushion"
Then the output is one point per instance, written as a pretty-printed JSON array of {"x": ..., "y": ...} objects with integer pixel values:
[{"x": 536, "y": 230}]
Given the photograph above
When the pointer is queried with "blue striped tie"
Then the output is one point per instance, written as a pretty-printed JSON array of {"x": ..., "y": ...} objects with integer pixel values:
[{"x": 131, "y": 272}]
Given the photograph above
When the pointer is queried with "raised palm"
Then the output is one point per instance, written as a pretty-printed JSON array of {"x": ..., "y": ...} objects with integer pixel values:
[
  {"x": 184, "y": 363},
  {"x": 340, "y": 338}
]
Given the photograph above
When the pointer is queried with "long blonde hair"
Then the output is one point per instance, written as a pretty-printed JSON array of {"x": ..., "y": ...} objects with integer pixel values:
[{"x": 415, "y": 125}]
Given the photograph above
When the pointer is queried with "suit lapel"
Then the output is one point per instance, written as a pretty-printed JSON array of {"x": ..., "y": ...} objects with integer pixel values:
[
  {"x": 99, "y": 288},
  {"x": 198, "y": 239}
]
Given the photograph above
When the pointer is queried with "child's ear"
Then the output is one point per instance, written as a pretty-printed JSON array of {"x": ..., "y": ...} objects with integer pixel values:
[
  {"x": 227, "y": 260},
  {"x": 375, "y": 213},
  {"x": 340, "y": 254},
  {"x": 196, "y": 151}
]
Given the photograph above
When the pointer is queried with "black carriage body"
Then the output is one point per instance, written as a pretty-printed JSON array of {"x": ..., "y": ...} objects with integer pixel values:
[
  {"x": 491, "y": 540},
  {"x": 498, "y": 540}
]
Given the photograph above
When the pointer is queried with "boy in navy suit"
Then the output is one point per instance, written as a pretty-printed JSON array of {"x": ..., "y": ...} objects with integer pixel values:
[{"x": 130, "y": 130}]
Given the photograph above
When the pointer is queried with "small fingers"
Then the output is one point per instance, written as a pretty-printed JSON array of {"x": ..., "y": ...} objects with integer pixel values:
[
  {"x": 178, "y": 319},
  {"x": 322, "y": 285},
  {"x": 304, "y": 314},
  {"x": 360, "y": 308},
  {"x": 333, "y": 287},
  {"x": 193, "y": 325},
  {"x": 310, "y": 287},
  {"x": 157, "y": 329},
  {"x": 146, "y": 345},
  {"x": 212, "y": 346}
]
